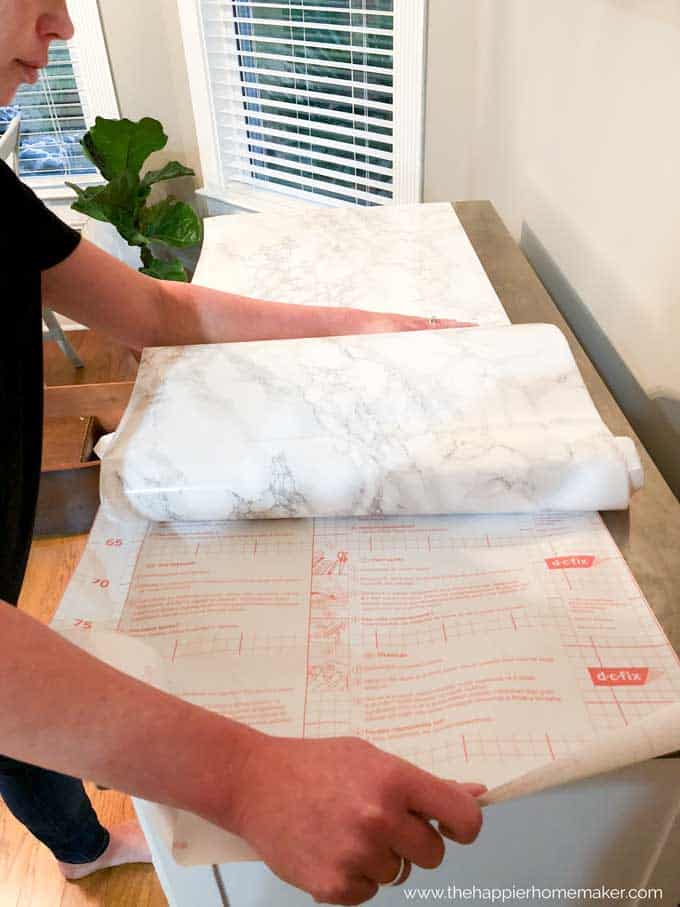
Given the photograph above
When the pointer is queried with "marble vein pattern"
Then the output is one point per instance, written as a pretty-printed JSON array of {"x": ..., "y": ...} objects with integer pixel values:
[
  {"x": 412, "y": 259},
  {"x": 482, "y": 420}
]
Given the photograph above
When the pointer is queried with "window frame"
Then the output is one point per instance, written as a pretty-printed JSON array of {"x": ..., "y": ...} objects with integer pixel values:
[
  {"x": 410, "y": 29},
  {"x": 92, "y": 70}
]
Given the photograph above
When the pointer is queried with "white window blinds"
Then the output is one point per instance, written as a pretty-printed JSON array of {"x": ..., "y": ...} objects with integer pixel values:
[
  {"x": 53, "y": 119},
  {"x": 302, "y": 95}
]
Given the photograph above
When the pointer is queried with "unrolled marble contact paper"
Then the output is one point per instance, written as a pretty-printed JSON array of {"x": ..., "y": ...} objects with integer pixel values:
[
  {"x": 412, "y": 259},
  {"x": 482, "y": 420}
]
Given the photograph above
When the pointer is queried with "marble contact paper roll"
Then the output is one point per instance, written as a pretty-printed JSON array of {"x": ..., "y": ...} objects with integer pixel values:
[{"x": 482, "y": 420}]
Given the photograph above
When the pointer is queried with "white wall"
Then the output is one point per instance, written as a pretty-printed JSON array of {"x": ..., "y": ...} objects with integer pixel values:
[
  {"x": 565, "y": 116},
  {"x": 150, "y": 76}
]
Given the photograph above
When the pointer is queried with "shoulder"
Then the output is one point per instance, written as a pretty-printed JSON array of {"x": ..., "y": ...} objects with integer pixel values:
[
  {"x": 13, "y": 193},
  {"x": 29, "y": 230}
]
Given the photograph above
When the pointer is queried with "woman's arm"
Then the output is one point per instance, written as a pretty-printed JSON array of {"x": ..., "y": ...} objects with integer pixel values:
[
  {"x": 329, "y": 816},
  {"x": 326, "y": 815},
  {"x": 96, "y": 289}
]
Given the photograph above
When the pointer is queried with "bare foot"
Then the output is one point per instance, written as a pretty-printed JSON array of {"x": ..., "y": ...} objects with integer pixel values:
[{"x": 127, "y": 845}]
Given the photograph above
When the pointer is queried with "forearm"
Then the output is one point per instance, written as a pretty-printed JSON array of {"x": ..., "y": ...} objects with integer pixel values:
[
  {"x": 193, "y": 314},
  {"x": 332, "y": 816},
  {"x": 138, "y": 311},
  {"x": 65, "y": 710}
]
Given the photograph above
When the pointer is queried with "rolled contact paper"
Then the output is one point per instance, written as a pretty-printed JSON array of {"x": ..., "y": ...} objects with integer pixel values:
[{"x": 484, "y": 420}]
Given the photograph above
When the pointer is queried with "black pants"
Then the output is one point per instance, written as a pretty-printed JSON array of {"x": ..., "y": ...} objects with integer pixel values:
[{"x": 54, "y": 808}]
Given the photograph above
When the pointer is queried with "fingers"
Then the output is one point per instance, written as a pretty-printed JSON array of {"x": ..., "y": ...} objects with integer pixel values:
[
  {"x": 475, "y": 790},
  {"x": 418, "y": 323},
  {"x": 355, "y": 891},
  {"x": 389, "y": 870},
  {"x": 455, "y": 808},
  {"x": 404, "y": 872},
  {"x": 450, "y": 323},
  {"x": 472, "y": 787},
  {"x": 439, "y": 323},
  {"x": 418, "y": 842}
]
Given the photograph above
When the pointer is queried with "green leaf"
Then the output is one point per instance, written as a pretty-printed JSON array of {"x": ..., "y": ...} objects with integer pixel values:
[
  {"x": 117, "y": 203},
  {"x": 86, "y": 202},
  {"x": 165, "y": 270},
  {"x": 117, "y": 145},
  {"x": 119, "y": 149},
  {"x": 171, "y": 170},
  {"x": 172, "y": 223}
]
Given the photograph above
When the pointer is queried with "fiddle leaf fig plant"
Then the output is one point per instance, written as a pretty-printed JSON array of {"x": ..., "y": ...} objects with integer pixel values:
[{"x": 119, "y": 149}]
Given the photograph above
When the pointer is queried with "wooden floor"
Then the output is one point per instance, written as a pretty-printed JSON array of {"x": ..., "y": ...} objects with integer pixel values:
[
  {"x": 28, "y": 873},
  {"x": 103, "y": 361}
]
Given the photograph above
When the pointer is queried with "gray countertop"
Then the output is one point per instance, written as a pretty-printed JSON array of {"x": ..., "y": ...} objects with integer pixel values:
[{"x": 649, "y": 534}]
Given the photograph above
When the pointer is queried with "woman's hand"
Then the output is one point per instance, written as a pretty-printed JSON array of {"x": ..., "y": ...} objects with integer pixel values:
[
  {"x": 335, "y": 817},
  {"x": 363, "y": 322}
]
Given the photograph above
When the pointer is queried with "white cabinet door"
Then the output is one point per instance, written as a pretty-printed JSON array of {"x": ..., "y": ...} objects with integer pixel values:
[{"x": 616, "y": 831}]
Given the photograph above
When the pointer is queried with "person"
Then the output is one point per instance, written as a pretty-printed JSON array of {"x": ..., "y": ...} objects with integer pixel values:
[{"x": 335, "y": 817}]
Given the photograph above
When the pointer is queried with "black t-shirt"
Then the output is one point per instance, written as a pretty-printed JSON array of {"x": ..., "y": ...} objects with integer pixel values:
[{"x": 32, "y": 239}]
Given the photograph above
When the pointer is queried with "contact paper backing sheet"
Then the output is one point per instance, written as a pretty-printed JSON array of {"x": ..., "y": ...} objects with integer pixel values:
[{"x": 513, "y": 650}]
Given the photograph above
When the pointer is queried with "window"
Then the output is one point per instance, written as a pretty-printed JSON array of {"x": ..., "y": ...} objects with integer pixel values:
[
  {"x": 315, "y": 98},
  {"x": 52, "y": 120},
  {"x": 75, "y": 87}
]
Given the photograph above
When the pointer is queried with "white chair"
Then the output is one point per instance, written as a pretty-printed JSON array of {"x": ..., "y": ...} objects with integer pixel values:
[
  {"x": 9, "y": 152},
  {"x": 9, "y": 144}
]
